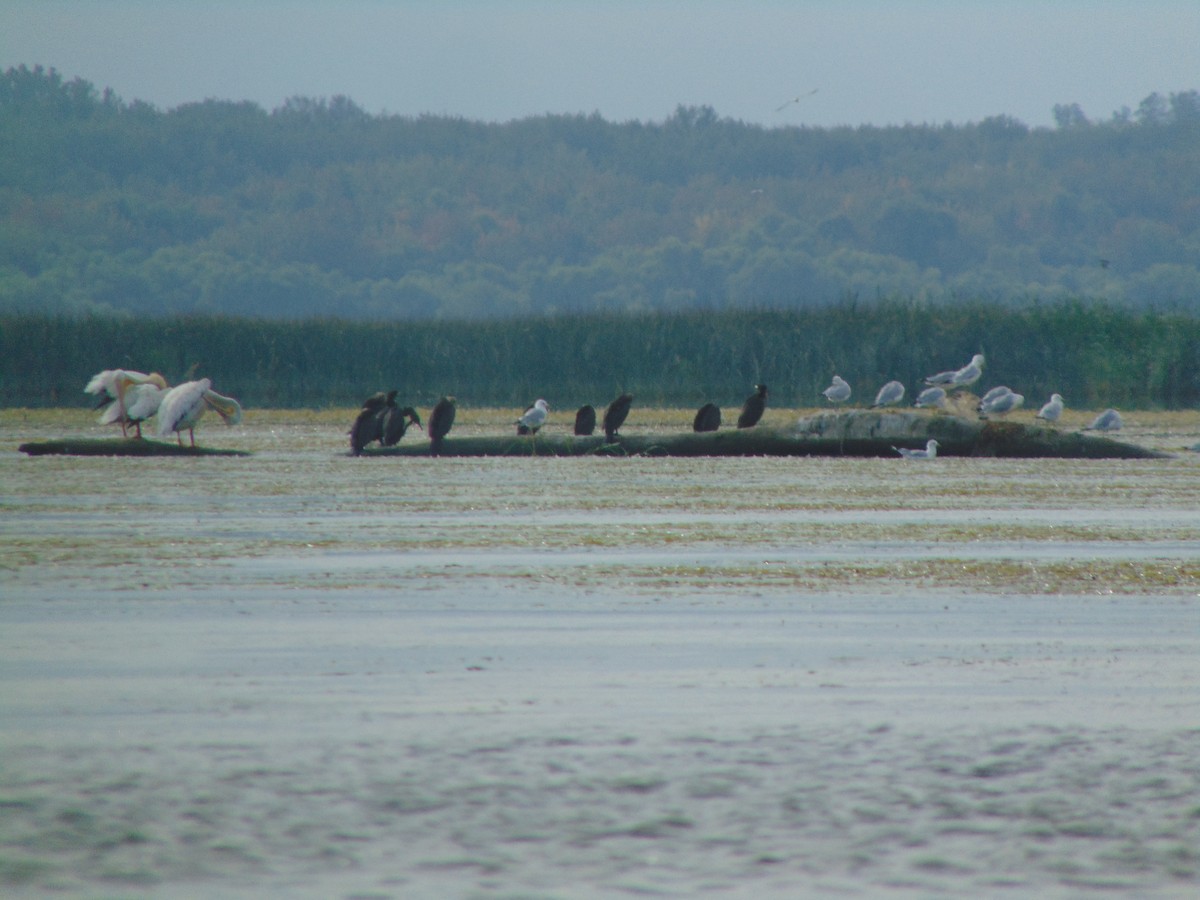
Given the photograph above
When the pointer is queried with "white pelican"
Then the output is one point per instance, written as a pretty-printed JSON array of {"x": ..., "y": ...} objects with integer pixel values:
[
  {"x": 184, "y": 404},
  {"x": 1053, "y": 409},
  {"x": 534, "y": 417},
  {"x": 964, "y": 377},
  {"x": 110, "y": 386},
  {"x": 934, "y": 396},
  {"x": 752, "y": 409},
  {"x": 1109, "y": 420},
  {"x": 140, "y": 402},
  {"x": 838, "y": 392},
  {"x": 1001, "y": 403},
  {"x": 889, "y": 395},
  {"x": 930, "y": 451}
]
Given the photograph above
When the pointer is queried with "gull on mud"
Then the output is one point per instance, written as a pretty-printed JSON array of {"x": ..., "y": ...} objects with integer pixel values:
[{"x": 930, "y": 451}]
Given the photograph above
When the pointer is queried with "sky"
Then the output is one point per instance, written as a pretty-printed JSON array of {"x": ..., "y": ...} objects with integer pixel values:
[{"x": 848, "y": 63}]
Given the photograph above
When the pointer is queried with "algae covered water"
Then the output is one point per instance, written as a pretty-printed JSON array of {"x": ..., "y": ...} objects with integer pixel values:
[{"x": 302, "y": 674}]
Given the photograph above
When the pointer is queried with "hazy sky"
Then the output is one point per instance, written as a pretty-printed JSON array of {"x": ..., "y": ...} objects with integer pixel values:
[{"x": 870, "y": 62}]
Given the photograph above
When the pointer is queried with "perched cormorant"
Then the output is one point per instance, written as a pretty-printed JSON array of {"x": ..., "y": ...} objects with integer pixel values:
[
  {"x": 753, "y": 408},
  {"x": 708, "y": 418},
  {"x": 585, "y": 419},
  {"x": 368, "y": 426},
  {"x": 394, "y": 422},
  {"x": 614, "y": 416},
  {"x": 533, "y": 418},
  {"x": 440, "y": 420}
]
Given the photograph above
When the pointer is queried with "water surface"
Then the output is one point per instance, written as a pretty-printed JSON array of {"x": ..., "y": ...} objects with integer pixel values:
[{"x": 305, "y": 674}]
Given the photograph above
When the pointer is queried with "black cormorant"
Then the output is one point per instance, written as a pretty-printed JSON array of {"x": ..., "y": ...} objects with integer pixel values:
[
  {"x": 614, "y": 416},
  {"x": 708, "y": 418},
  {"x": 585, "y": 419},
  {"x": 440, "y": 420},
  {"x": 752, "y": 410},
  {"x": 369, "y": 424},
  {"x": 394, "y": 422}
]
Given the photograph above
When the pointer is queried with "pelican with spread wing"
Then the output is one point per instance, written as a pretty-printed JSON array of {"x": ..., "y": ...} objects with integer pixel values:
[
  {"x": 182, "y": 407},
  {"x": 117, "y": 390}
]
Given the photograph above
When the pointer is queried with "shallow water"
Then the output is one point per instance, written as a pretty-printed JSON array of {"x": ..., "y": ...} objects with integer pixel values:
[{"x": 305, "y": 674}]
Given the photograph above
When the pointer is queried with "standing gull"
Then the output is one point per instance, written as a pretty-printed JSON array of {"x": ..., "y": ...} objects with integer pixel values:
[
  {"x": 930, "y": 451},
  {"x": 889, "y": 395},
  {"x": 534, "y": 417},
  {"x": 1053, "y": 409},
  {"x": 838, "y": 392}
]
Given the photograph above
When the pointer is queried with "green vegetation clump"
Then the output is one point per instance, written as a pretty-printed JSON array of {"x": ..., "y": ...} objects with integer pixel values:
[{"x": 318, "y": 208}]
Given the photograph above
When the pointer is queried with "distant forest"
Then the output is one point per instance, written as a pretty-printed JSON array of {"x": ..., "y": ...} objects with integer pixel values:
[{"x": 320, "y": 209}]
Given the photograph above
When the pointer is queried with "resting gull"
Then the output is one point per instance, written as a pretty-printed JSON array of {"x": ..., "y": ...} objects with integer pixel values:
[
  {"x": 889, "y": 395},
  {"x": 1000, "y": 401},
  {"x": 1109, "y": 420},
  {"x": 930, "y": 451},
  {"x": 934, "y": 396},
  {"x": 964, "y": 377}
]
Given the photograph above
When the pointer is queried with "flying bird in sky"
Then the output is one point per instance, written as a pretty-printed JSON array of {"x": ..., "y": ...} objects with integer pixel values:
[{"x": 782, "y": 106}]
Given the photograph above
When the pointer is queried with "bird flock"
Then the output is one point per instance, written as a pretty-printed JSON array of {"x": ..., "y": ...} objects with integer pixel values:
[{"x": 131, "y": 398}]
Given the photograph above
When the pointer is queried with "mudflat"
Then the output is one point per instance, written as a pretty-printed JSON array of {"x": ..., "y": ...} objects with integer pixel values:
[{"x": 304, "y": 674}]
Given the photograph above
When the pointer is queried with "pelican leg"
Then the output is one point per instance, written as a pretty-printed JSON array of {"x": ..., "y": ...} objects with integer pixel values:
[
  {"x": 192, "y": 435},
  {"x": 139, "y": 430},
  {"x": 179, "y": 437}
]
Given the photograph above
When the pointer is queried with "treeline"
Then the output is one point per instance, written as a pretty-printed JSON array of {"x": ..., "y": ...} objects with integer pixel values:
[
  {"x": 1096, "y": 356},
  {"x": 317, "y": 208}
]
